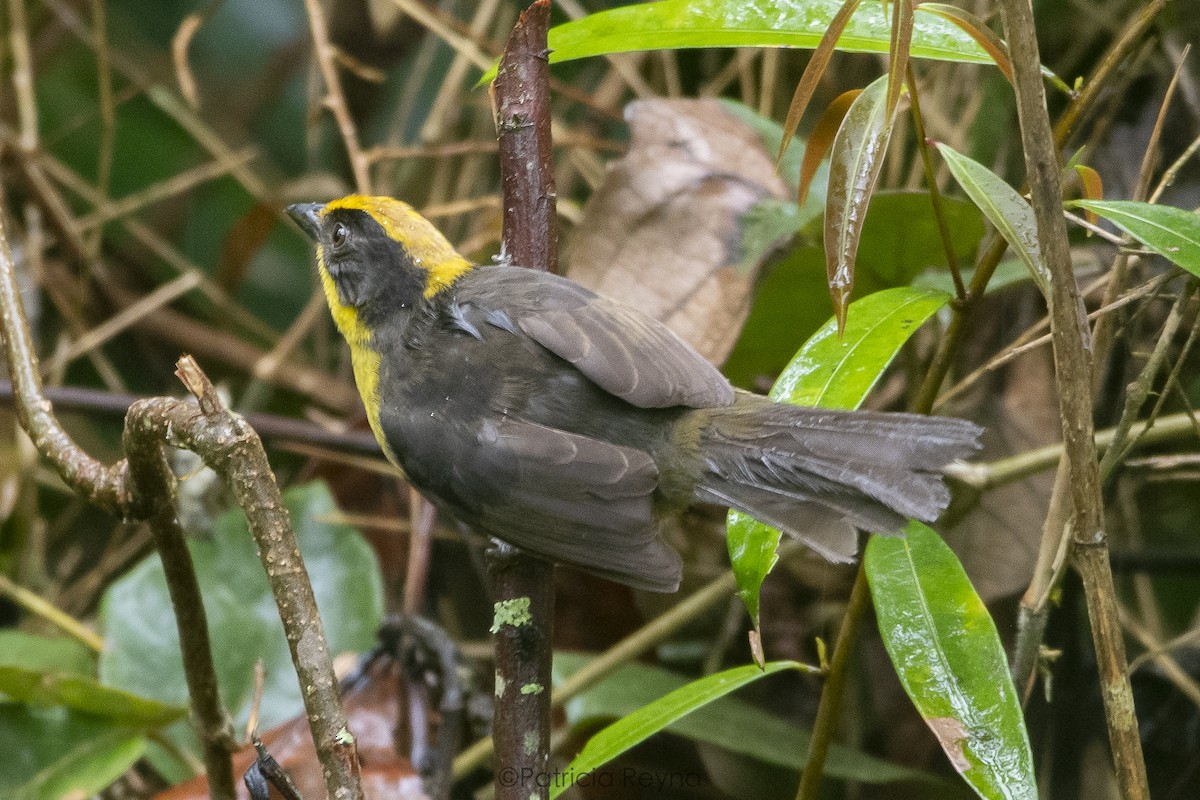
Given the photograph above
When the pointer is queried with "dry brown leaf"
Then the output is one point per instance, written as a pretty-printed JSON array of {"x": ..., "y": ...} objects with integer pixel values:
[
  {"x": 663, "y": 231},
  {"x": 376, "y": 716}
]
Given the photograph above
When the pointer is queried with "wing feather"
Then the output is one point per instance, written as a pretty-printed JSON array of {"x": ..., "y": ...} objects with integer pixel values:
[
  {"x": 628, "y": 354},
  {"x": 568, "y": 498}
]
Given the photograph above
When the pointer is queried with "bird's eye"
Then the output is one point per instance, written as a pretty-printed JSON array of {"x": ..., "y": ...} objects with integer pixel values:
[{"x": 339, "y": 235}]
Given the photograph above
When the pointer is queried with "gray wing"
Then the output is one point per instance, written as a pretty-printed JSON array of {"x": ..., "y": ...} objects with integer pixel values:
[
  {"x": 568, "y": 498},
  {"x": 628, "y": 354}
]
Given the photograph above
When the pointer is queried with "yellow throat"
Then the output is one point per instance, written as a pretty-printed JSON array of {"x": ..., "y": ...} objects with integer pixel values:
[{"x": 429, "y": 250}]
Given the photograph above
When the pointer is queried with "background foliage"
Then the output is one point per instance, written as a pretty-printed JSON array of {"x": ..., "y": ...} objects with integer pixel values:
[{"x": 157, "y": 228}]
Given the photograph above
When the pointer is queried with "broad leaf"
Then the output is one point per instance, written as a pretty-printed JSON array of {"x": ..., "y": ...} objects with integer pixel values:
[
  {"x": 836, "y": 373},
  {"x": 143, "y": 652},
  {"x": 52, "y": 753},
  {"x": 820, "y": 140},
  {"x": 900, "y": 241},
  {"x": 760, "y": 23},
  {"x": 38, "y": 671},
  {"x": 948, "y": 656},
  {"x": 43, "y": 654},
  {"x": 1004, "y": 207},
  {"x": 1171, "y": 232}
]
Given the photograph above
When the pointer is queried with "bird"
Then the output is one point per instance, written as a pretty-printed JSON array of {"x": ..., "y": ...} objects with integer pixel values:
[{"x": 539, "y": 413}]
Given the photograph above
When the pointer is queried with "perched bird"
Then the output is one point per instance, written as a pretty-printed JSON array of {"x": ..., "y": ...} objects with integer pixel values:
[{"x": 567, "y": 424}]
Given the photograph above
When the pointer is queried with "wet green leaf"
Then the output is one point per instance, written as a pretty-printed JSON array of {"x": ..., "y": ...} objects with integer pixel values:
[
  {"x": 1171, "y": 232},
  {"x": 946, "y": 651},
  {"x": 840, "y": 373},
  {"x": 1004, "y": 207},
  {"x": 855, "y": 161},
  {"x": 726, "y": 722},
  {"x": 900, "y": 241},
  {"x": 836, "y": 373},
  {"x": 759, "y": 23},
  {"x": 814, "y": 70}
]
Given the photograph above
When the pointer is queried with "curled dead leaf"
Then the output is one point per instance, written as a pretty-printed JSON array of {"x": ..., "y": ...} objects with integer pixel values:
[
  {"x": 663, "y": 232},
  {"x": 377, "y": 716}
]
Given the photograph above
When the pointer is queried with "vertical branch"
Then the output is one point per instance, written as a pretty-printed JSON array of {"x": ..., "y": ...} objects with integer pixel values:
[
  {"x": 230, "y": 446},
  {"x": 1071, "y": 338},
  {"x": 154, "y": 488},
  {"x": 524, "y": 585},
  {"x": 521, "y": 96}
]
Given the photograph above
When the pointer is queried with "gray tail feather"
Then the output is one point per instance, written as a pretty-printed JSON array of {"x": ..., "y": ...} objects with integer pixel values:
[{"x": 818, "y": 474}]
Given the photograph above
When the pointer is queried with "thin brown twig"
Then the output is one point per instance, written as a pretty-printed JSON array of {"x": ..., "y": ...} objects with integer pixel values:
[
  {"x": 1028, "y": 340},
  {"x": 167, "y": 102},
  {"x": 163, "y": 250},
  {"x": 1139, "y": 389},
  {"x": 128, "y": 317},
  {"x": 106, "y": 486},
  {"x": 22, "y": 75},
  {"x": 1124, "y": 262},
  {"x": 181, "y": 42},
  {"x": 108, "y": 109},
  {"x": 1081, "y": 105},
  {"x": 983, "y": 476},
  {"x": 175, "y": 185},
  {"x": 1086, "y": 101},
  {"x": 335, "y": 98},
  {"x": 153, "y": 494}
]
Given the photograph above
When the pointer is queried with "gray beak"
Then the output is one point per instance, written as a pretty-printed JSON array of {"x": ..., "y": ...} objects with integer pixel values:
[{"x": 308, "y": 217}]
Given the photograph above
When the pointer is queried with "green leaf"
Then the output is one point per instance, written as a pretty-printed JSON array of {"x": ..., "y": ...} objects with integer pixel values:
[
  {"x": 770, "y": 221},
  {"x": 54, "y": 752},
  {"x": 855, "y": 161},
  {"x": 726, "y": 722},
  {"x": 43, "y": 654},
  {"x": 840, "y": 373},
  {"x": 38, "y": 671},
  {"x": 948, "y": 656},
  {"x": 674, "y": 24},
  {"x": 143, "y": 646},
  {"x": 636, "y": 727},
  {"x": 1171, "y": 232},
  {"x": 53, "y": 688},
  {"x": 835, "y": 373},
  {"x": 1004, "y": 207}
]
